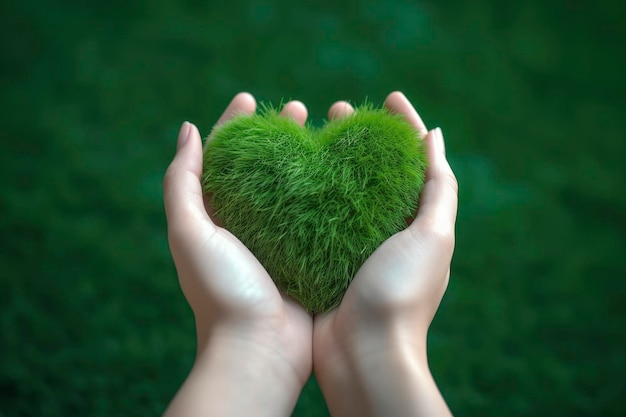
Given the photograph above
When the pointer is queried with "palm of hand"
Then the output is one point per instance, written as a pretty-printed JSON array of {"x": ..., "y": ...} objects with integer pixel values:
[
  {"x": 399, "y": 288},
  {"x": 225, "y": 285},
  {"x": 403, "y": 281}
]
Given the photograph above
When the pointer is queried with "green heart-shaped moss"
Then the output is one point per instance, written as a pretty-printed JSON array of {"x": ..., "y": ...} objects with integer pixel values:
[{"x": 313, "y": 204}]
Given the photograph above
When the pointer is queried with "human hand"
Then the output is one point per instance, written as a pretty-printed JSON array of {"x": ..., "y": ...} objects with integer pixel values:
[
  {"x": 369, "y": 354},
  {"x": 254, "y": 343}
]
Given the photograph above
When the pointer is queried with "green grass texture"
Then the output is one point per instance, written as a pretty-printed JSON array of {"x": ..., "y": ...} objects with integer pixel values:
[
  {"x": 530, "y": 97},
  {"x": 312, "y": 204}
]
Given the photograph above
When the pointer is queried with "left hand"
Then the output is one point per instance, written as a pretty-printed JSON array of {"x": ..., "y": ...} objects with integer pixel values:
[{"x": 241, "y": 317}]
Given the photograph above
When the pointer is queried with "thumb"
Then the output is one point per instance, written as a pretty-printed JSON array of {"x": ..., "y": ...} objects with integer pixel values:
[{"x": 182, "y": 189}]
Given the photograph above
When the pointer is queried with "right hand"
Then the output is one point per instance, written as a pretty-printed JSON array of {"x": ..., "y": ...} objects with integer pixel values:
[{"x": 372, "y": 348}]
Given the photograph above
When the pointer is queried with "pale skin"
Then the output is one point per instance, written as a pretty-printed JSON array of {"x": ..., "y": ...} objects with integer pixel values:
[{"x": 256, "y": 347}]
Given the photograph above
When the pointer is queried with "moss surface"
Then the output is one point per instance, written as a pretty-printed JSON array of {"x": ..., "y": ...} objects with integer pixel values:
[{"x": 313, "y": 204}]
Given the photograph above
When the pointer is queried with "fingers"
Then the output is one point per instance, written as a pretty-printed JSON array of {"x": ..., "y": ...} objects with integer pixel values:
[
  {"x": 242, "y": 103},
  {"x": 398, "y": 103},
  {"x": 182, "y": 190},
  {"x": 340, "y": 109},
  {"x": 296, "y": 110},
  {"x": 439, "y": 198}
]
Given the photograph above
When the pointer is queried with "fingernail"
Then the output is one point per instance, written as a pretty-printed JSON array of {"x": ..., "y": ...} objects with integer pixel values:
[
  {"x": 440, "y": 143},
  {"x": 183, "y": 135}
]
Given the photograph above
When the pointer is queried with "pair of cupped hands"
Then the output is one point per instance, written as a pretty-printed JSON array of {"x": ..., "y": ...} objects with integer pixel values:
[{"x": 254, "y": 336}]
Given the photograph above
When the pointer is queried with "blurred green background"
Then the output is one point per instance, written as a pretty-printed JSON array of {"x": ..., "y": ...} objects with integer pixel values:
[{"x": 530, "y": 96}]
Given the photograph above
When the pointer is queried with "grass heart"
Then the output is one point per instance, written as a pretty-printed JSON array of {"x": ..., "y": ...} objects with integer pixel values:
[{"x": 312, "y": 204}]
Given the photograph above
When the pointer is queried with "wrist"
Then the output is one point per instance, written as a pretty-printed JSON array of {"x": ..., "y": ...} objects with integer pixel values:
[
  {"x": 235, "y": 375},
  {"x": 382, "y": 374},
  {"x": 252, "y": 378}
]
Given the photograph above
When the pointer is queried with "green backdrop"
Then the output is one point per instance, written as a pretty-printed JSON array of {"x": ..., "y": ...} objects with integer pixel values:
[{"x": 530, "y": 97}]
